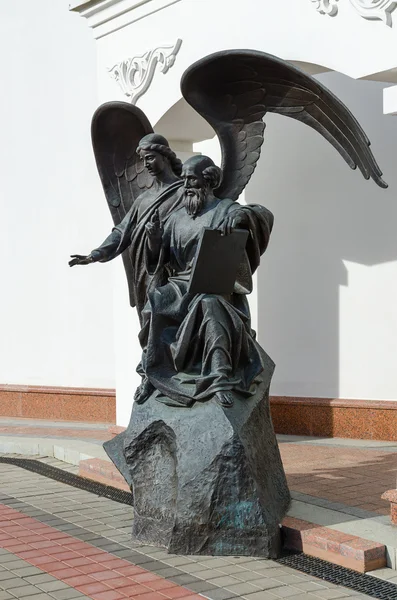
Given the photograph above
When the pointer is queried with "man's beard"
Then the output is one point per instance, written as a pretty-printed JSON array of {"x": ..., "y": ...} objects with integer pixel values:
[{"x": 194, "y": 203}]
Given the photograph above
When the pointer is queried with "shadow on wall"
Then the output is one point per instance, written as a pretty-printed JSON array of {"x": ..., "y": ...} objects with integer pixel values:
[{"x": 326, "y": 215}]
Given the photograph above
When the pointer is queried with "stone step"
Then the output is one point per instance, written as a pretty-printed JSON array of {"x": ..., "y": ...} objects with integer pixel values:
[
  {"x": 102, "y": 471},
  {"x": 336, "y": 547},
  {"x": 72, "y": 451}
]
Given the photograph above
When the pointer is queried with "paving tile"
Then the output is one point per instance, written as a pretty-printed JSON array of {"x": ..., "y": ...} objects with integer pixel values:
[
  {"x": 224, "y": 581},
  {"x": 134, "y": 590},
  {"x": 26, "y": 571},
  {"x": 6, "y": 575},
  {"x": 309, "y": 586},
  {"x": 9, "y": 557},
  {"x": 179, "y": 579},
  {"x": 242, "y": 588},
  {"x": 265, "y": 583},
  {"x": 192, "y": 568},
  {"x": 24, "y": 590},
  {"x": 107, "y": 595},
  {"x": 61, "y": 573},
  {"x": 261, "y": 596},
  {"x": 290, "y": 579},
  {"x": 157, "y": 596},
  {"x": 198, "y": 586},
  {"x": 208, "y": 574},
  {"x": 220, "y": 594},
  {"x": 117, "y": 582},
  {"x": 40, "y": 596},
  {"x": 103, "y": 575},
  {"x": 129, "y": 570},
  {"x": 330, "y": 594},
  {"x": 9, "y": 584},
  {"x": 16, "y": 564},
  {"x": 52, "y": 586},
  {"x": 65, "y": 594},
  {"x": 177, "y": 561},
  {"x": 78, "y": 580},
  {"x": 286, "y": 591},
  {"x": 89, "y": 569},
  {"x": 246, "y": 575},
  {"x": 42, "y": 578}
]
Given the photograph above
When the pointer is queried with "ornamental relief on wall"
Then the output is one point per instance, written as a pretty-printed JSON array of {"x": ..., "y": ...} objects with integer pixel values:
[
  {"x": 368, "y": 9},
  {"x": 134, "y": 75}
]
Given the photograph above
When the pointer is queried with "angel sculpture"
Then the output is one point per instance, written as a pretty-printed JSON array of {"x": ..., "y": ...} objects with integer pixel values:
[
  {"x": 140, "y": 175},
  {"x": 201, "y": 347}
]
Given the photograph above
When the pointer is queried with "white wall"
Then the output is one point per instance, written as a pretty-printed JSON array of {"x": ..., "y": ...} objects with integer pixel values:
[
  {"x": 328, "y": 282},
  {"x": 56, "y": 322},
  {"x": 327, "y": 287}
]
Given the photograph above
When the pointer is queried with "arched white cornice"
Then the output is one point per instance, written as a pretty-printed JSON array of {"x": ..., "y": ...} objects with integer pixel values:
[{"x": 107, "y": 16}]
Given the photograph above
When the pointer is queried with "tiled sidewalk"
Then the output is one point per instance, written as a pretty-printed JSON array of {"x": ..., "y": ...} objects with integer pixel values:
[
  {"x": 59, "y": 543},
  {"x": 350, "y": 475}
]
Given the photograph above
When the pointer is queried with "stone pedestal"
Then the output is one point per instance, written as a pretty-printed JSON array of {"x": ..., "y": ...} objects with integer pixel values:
[{"x": 205, "y": 480}]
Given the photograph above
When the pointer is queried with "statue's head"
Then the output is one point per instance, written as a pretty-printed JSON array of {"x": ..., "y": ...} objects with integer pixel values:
[
  {"x": 157, "y": 155},
  {"x": 201, "y": 177}
]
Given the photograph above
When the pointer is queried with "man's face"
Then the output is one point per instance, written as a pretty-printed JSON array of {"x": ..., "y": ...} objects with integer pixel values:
[
  {"x": 193, "y": 180},
  {"x": 153, "y": 161},
  {"x": 195, "y": 190}
]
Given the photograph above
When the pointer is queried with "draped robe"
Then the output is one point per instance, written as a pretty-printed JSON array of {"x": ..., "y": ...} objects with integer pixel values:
[
  {"x": 129, "y": 236},
  {"x": 196, "y": 345}
]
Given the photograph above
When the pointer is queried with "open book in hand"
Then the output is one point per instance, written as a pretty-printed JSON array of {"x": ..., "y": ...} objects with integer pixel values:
[{"x": 217, "y": 261}]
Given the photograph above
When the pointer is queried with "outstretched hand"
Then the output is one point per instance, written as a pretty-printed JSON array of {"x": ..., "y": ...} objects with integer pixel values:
[
  {"x": 80, "y": 259},
  {"x": 236, "y": 220},
  {"x": 154, "y": 228}
]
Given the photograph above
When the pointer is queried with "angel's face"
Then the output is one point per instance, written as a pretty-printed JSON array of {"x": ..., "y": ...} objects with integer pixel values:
[{"x": 153, "y": 161}]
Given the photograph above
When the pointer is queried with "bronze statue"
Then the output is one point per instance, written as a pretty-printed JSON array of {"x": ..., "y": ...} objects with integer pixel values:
[{"x": 200, "y": 453}]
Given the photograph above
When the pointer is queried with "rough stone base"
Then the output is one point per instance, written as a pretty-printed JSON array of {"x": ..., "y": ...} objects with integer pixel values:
[{"x": 205, "y": 480}]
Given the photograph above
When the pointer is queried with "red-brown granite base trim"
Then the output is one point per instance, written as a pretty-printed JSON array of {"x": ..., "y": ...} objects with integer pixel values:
[
  {"x": 58, "y": 403},
  {"x": 391, "y": 495},
  {"x": 333, "y": 546},
  {"x": 102, "y": 471},
  {"x": 116, "y": 429},
  {"x": 332, "y": 417}
]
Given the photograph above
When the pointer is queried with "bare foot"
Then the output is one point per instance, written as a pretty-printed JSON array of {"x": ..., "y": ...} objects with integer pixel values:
[
  {"x": 143, "y": 391},
  {"x": 225, "y": 399}
]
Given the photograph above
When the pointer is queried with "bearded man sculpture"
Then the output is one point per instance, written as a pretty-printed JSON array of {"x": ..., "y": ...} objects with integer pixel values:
[
  {"x": 210, "y": 350},
  {"x": 200, "y": 453}
]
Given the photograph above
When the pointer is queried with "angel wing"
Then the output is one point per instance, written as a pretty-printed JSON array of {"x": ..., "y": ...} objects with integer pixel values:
[
  {"x": 117, "y": 128},
  {"x": 234, "y": 89}
]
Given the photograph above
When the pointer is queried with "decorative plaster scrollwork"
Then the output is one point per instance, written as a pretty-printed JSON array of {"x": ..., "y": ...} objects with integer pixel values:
[
  {"x": 134, "y": 75},
  {"x": 326, "y": 7},
  {"x": 375, "y": 9},
  {"x": 369, "y": 9}
]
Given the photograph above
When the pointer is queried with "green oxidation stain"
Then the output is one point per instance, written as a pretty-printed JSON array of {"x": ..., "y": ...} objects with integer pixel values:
[
  {"x": 222, "y": 547},
  {"x": 237, "y": 515}
]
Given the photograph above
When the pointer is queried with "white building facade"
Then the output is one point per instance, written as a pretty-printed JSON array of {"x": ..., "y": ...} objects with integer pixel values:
[{"x": 326, "y": 291}]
